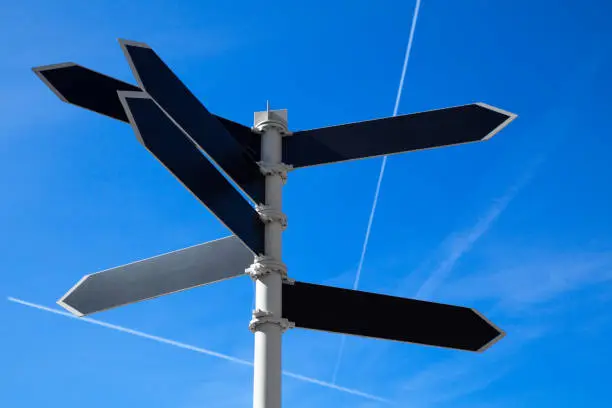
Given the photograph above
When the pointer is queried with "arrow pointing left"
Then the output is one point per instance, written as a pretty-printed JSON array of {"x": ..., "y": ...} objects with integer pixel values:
[
  {"x": 161, "y": 275},
  {"x": 83, "y": 87},
  {"x": 94, "y": 91}
]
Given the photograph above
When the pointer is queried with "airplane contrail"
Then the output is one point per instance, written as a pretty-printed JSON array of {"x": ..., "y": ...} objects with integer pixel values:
[
  {"x": 197, "y": 349},
  {"x": 459, "y": 247},
  {"x": 381, "y": 174}
]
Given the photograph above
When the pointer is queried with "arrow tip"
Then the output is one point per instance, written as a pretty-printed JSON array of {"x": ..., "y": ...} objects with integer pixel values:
[
  {"x": 501, "y": 333},
  {"x": 39, "y": 71},
  {"x": 62, "y": 301},
  {"x": 510, "y": 117},
  {"x": 123, "y": 98},
  {"x": 123, "y": 42},
  {"x": 69, "y": 308}
]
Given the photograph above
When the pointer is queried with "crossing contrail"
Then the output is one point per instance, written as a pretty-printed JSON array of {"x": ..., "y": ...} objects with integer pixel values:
[
  {"x": 196, "y": 349},
  {"x": 381, "y": 174}
]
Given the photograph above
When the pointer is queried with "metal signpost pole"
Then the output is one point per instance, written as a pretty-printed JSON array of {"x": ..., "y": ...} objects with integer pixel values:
[{"x": 269, "y": 271}]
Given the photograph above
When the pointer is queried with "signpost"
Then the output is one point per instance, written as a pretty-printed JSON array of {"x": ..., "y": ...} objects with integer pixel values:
[{"x": 189, "y": 141}]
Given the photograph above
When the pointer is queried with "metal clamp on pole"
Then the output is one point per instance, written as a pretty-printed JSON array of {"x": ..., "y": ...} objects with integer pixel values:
[
  {"x": 268, "y": 215},
  {"x": 274, "y": 169},
  {"x": 261, "y": 317},
  {"x": 265, "y": 265}
]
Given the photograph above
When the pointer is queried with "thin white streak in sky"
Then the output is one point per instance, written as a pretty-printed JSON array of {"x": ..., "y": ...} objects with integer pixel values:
[
  {"x": 458, "y": 247},
  {"x": 336, "y": 387},
  {"x": 415, "y": 16},
  {"x": 196, "y": 349},
  {"x": 381, "y": 174}
]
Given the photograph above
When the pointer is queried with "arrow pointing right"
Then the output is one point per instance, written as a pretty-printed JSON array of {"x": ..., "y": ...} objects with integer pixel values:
[
  {"x": 398, "y": 134},
  {"x": 346, "y": 311}
]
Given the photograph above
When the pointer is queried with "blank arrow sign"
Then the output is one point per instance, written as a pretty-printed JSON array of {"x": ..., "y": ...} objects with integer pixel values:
[
  {"x": 161, "y": 275},
  {"x": 156, "y": 131},
  {"x": 416, "y": 131},
  {"x": 89, "y": 89},
  {"x": 346, "y": 311},
  {"x": 85, "y": 88},
  {"x": 158, "y": 80}
]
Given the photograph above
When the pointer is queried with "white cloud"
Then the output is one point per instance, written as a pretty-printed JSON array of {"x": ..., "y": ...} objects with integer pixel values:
[{"x": 521, "y": 282}]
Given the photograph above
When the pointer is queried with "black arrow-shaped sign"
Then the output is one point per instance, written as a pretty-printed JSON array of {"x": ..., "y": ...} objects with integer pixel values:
[
  {"x": 89, "y": 89},
  {"x": 156, "y": 131},
  {"x": 158, "y": 80},
  {"x": 92, "y": 90},
  {"x": 97, "y": 92},
  {"x": 346, "y": 311},
  {"x": 416, "y": 131},
  {"x": 85, "y": 88}
]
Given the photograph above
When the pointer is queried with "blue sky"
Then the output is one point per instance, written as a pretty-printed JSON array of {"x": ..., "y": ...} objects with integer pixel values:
[{"x": 517, "y": 227}]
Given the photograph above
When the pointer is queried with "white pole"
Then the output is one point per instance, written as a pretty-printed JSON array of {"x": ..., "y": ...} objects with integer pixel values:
[{"x": 269, "y": 271}]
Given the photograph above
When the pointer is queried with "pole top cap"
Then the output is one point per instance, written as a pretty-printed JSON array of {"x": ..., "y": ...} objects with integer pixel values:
[{"x": 276, "y": 118}]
